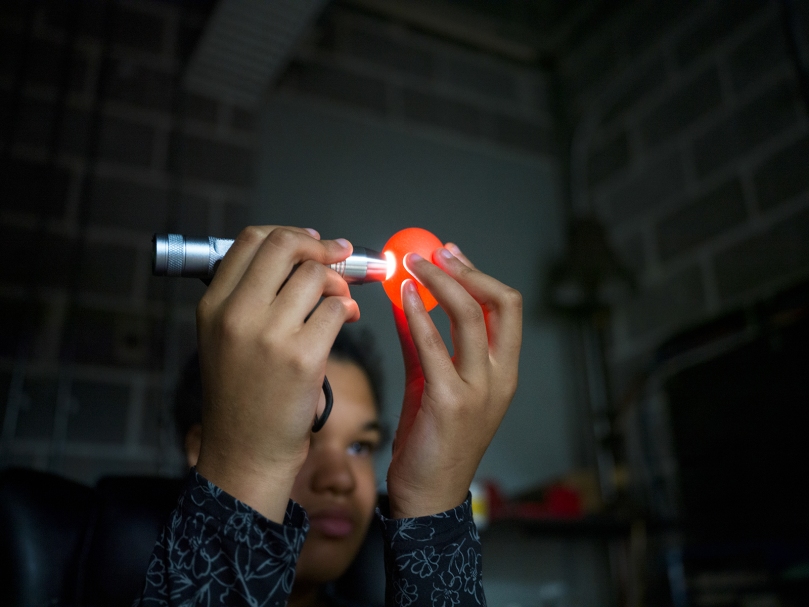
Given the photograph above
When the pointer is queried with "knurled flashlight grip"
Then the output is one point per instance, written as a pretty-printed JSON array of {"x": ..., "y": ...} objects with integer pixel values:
[{"x": 177, "y": 255}]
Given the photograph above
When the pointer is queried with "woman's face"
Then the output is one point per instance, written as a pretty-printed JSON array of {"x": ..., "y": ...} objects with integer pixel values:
[{"x": 336, "y": 485}]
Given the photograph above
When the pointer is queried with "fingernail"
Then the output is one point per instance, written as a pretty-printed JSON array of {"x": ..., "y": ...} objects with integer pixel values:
[
  {"x": 343, "y": 243},
  {"x": 313, "y": 232},
  {"x": 454, "y": 248},
  {"x": 408, "y": 258},
  {"x": 409, "y": 289},
  {"x": 444, "y": 253}
]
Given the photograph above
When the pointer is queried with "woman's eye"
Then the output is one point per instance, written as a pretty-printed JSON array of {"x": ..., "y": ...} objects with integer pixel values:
[{"x": 362, "y": 448}]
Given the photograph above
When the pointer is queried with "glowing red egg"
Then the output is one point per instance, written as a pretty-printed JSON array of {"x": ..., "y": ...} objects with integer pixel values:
[{"x": 409, "y": 240}]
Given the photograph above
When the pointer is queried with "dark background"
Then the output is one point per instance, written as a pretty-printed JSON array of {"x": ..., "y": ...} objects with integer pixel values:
[{"x": 680, "y": 126}]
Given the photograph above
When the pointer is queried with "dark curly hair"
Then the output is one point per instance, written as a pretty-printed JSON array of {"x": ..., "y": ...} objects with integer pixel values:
[{"x": 351, "y": 346}]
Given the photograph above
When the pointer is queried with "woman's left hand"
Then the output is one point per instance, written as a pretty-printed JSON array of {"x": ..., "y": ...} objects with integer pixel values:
[{"x": 452, "y": 405}]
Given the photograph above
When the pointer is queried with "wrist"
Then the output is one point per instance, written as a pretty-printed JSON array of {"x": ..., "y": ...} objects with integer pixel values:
[
  {"x": 265, "y": 488},
  {"x": 417, "y": 506}
]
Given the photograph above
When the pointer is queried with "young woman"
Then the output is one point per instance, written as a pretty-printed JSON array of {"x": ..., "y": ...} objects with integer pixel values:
[
  {"x": 337, "y": 484},
  {"x": 264, "y": 339}
]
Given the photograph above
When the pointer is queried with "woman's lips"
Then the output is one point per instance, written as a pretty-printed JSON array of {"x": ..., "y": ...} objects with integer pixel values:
[{"x": 335, "y": 524}]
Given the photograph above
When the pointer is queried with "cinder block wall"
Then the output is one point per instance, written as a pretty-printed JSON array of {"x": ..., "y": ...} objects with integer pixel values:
[
  {"x": 96, "y": 163},
  {"x": 692, "y": 145},
  {"x": 93, "y": 165},
  {"x": 377, "y": 69}
]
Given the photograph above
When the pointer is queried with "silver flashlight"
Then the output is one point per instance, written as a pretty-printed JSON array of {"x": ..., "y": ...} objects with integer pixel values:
[{"x": 177, "y": 255}]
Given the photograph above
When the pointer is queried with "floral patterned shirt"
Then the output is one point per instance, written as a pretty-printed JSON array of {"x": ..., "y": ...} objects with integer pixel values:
[{"x": 216, "y": 550}]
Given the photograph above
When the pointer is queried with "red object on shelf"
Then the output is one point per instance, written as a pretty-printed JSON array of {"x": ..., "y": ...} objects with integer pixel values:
[{"x": 559, "y": 502}]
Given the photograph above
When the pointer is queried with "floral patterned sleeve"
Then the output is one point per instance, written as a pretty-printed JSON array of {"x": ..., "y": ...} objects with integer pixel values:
[
  {"x": 216, "y": 550},
  {"x": 433, "y": 560}
]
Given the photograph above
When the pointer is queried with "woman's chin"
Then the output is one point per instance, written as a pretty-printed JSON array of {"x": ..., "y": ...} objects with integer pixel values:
[{"x": 324, "y": 558}]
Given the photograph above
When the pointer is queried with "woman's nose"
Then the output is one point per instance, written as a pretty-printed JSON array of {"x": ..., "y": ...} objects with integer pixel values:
[{"x": 333, "y": 472}]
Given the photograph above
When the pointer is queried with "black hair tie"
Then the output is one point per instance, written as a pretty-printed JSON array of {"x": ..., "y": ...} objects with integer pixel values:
[{"x": 320, "y": 421}]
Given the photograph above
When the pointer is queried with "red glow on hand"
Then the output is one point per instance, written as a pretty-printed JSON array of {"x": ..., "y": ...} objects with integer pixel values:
[{"x": 409, "y": 240}]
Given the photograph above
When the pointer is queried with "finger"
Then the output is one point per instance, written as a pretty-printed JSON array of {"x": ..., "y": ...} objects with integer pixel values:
[
  {"x": 275, "y": 259},
  {"x": 409, "y": 353},
  {"x": 430, "y": 347},
  {"x": 321, "y": 329},
  {"x": 414, "y": 377},
  {"x": 501, "y": 304},
  {"x": 309, "y": 282},
  {"x": 466, "y": 315},
  {"x": 453, "y": 248},
  {"x": 238, "y": 258}
]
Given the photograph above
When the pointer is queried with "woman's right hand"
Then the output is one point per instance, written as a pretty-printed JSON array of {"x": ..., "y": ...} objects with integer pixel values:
[{"x": 263, "y": 358}]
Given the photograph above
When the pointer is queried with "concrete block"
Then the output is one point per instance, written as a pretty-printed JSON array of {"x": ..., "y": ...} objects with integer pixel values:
[
  {"x": 46, "y": 65},
  {"x": 475, "y": 76},
  {"x": 6, "y": 120},
  {"x": 10, "y": 52},
  {"x": 523, "y": 135},
  {"x": 651, "y": 21},
  {"x": 187, "y": 37},
  {"x": 635, "y": 86},
  {"x": 244, "y": 120},
  {"x": 40, "y": 258},
  {"x": 726, "y": 17},
  {"x": 107, "y": 269},
  {"x": 216, "y": 161},
  {"x": 5, "y": 382},
  {"x": 758, "y": 54},
  {"x": 234, "y": 219},
  {"x": 75, "y": 131},
  {"x": 126, "y": 142},
  {"x": 91, "y": 18},
  {"x": 632, "y": 253},
  {"x": 19, "y": 320},
  {"x": 115, "y": 338},
  {"x": 31, "y": 187},
  {"x": 199, "y": 107},
  {"x": 98, "y": 414},
  {"x": 607, "y": 159},
  {"x": 759, "y": 120},
  {"x": 670, "y": 305},
  {"x": 336, "y": 84},
  {"x": 784, "y": 175},
  {"x": 155, "y": 418},
  {"x": 13, "y": 11},
  {"x": 193, "y": 216},
  {"x": 185, "y": 292},
  {"x": 55, "y": 14},
  {"x": 140, "y": 85},
  {"x": 777, "y": 253},
  {"x": 38, "y": 408},
  {"x": 88, "y": 469},
  {"x": 391, "y": 54},
  {"x": 657, "y": 182},
  {"x": 592, "y": 70},
  {"x": 441, "y": 112},
  {"x": 692, "y": 100},
  {"x": 35, "y": 122},
  {"x": 136, "y": 29},
  {"x": 119, "y": 203},
  {"x": 700, "y": 220}
]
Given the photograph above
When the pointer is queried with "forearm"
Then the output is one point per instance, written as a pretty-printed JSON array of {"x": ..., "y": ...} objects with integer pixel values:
[
  {"x": 217, "y": 550},
  {"x": 433, "y": 559}
]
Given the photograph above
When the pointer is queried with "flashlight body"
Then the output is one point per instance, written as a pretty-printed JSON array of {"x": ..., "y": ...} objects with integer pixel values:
[{"x": 177, "y": 255}]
